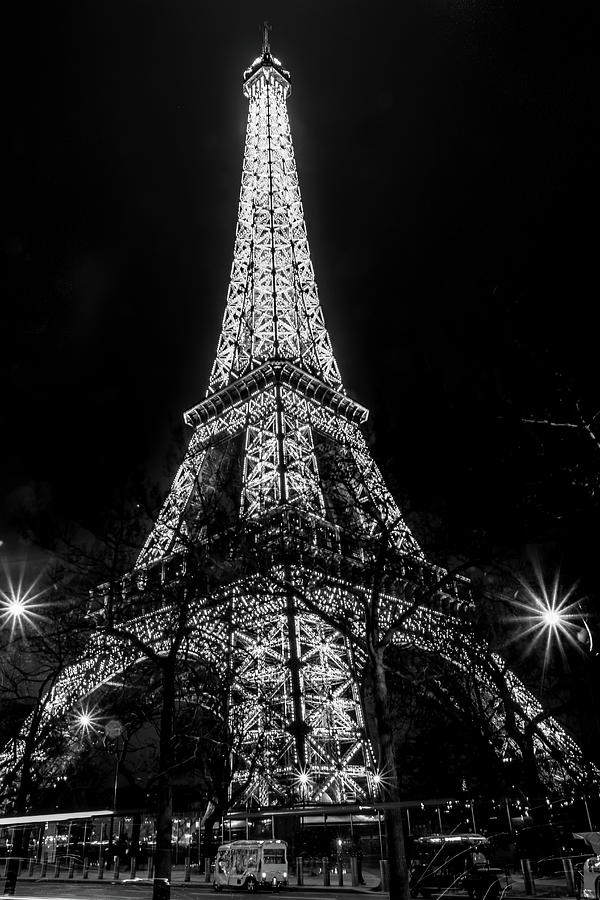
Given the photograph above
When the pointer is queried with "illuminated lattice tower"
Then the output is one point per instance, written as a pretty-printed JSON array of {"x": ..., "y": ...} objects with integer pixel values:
[
  {"x": 278, "y": 476},
  {"x": 275, "y": 422},
  {"x": 277, "y": 453}
]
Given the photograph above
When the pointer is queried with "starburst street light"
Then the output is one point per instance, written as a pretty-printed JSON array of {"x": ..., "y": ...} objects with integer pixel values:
[
  {"x": 552, "y": 616},
  {"x": 19, "y": 605},
  {"x": 87, "y": 722}
]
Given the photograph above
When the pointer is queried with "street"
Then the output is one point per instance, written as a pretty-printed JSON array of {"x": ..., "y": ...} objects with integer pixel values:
[{"x": 34, "y": 890}]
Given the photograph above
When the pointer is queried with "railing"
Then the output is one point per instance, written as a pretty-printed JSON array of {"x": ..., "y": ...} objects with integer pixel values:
[
  {"x": 66, "y": 868},
  {"x": 344, "y": 869}
]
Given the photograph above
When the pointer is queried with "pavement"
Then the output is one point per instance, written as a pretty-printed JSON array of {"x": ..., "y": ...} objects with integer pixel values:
[{"x": 549, "y": 887}]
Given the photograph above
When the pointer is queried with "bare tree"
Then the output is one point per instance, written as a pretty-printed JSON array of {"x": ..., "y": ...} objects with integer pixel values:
[{"x": 43, "y": 635}]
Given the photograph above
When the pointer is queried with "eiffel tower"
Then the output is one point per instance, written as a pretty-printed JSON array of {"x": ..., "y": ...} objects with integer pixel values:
[
  {"x": 269, "y": 442},
  {"x": 275, "y": 409}
]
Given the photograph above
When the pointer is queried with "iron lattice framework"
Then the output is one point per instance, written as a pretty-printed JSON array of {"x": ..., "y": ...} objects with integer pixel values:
[
  {"x": 275, "y": 387},
  {"x": 277, "y": 455}
]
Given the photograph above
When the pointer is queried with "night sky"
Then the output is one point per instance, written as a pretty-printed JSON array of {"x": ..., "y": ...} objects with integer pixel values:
[{"x": 447, "y": 174}]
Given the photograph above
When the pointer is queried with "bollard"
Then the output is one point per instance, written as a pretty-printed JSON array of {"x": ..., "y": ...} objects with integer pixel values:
[
  {"x": 326, "y": 873},
  {"x": 340, "y": 872},
  {"x": 207, "y": 868},
  {"x": 187, "y": 872},
  {"x": 86, "y": 865},
  {"x": 31, "y": 867},
  {"x": 44, "y": 867},
  {"x": 354, "y": 871},
  {"x": 384, "y": 874},
  {"x": 116, "y": 869},
  {"x": 132, "y": 867},
  {"x": 299, "y": 871},
  {"x": 161, "y": 889},
  {"x": 150, "y": 871},
  {"x": 71, "y": 871},
  {"x": 11, "y": 871},
  {"x": 528, "y": 877},
  {"x": 57, "y": 868},
  {"x": 567, "y": 863}
]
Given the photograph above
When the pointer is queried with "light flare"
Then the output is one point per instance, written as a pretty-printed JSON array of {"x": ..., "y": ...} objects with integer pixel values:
[
  {"x": 551, "y": 617},
  {"x": 86, "y": 721},
  {"x": 19, "y": 605},
  {"x": 303, "y": 779},
  {"x": 381, "y": 781}
]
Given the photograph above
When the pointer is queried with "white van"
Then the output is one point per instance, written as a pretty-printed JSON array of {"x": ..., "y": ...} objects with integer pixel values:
[{"x": 250, "y": 865}]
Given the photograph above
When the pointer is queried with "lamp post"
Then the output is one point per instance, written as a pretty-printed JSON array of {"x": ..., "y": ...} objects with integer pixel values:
[
  {"x": 18, "y": 610},
  {"x": 557, "y": 621},
  {"x": 115, "y": 740}
]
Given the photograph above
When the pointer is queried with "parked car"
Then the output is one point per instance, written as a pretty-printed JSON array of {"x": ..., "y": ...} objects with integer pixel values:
[
  {"x": 455, "y": 862},
  {"x": 587, "y": 874}
]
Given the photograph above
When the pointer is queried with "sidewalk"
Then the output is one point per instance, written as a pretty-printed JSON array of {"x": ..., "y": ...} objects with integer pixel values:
[{"x": 553, "y": 887}]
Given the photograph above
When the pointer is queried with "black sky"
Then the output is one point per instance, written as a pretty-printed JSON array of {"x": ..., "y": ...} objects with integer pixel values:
[{"x": 447, "y": 172}]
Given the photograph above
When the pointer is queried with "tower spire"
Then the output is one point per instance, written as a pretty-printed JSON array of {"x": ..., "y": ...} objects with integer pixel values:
[
  {"x": 266, "y": 47},
  {"x": 273, "y": 310}
]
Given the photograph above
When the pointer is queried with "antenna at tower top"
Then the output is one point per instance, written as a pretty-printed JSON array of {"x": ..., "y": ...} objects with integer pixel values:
[
  {"x": 266, "y": 47},
  {"x": 281, "y": 75}
]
